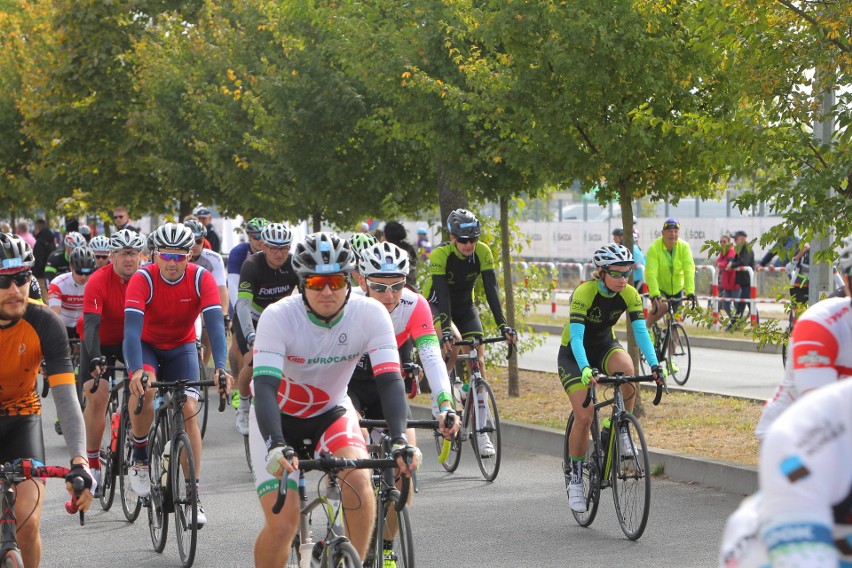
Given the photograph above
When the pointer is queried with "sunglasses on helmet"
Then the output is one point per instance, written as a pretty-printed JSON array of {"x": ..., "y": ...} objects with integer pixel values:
[
  {"x": 318, "y": 282},
  {"x": 380, "y": 288},
  {"x": 20, "y": 279}
]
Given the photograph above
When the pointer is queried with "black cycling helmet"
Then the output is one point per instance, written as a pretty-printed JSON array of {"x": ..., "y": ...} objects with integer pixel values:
[
  {"x": 464, "y": 224},
  {"x": 15, "y": 254},
  {"x": 82, "y": 260}
]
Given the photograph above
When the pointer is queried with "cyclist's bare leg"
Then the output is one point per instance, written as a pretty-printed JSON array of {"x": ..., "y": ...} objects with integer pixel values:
[
  {"x": 359, "y": 503},
  {"x": 272, "y": 546},
  {"x": 234, "y": 357},
  {"x": 94, "y": 414},
  {"x": 190, "y": 412},
  {"x": 654, "y": 317},
  {"x": 578, "y": 442},
  {"x": 28, "y": 504},
  {"x": 141, "y": 423},
  {"x": 620, "y": 362}
]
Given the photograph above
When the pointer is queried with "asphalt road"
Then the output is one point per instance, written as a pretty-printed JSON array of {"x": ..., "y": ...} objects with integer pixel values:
[
  {"x": 521, "y": 519},
  {"x": 733, "y": 373}
]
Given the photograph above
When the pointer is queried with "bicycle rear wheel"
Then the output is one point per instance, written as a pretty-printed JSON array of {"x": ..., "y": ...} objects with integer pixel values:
[
  {"x": 680, "y": 355},
  {"x": 130, "y": 502},
  {"x": 485, "y": 426},
  {"x": 591, "y": 473},
  {"x": 295, "y": 557},
  {"x": 248, "y": 452},
  {"x": 185, "y": 498},
  {"x": 631, "y": 477},
  {"x": 160, "y": 499},
  {"x": 108, "y": 457}
]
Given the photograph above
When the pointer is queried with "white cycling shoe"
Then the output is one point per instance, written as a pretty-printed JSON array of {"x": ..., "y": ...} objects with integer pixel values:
[{"x": 486, "y": 448}]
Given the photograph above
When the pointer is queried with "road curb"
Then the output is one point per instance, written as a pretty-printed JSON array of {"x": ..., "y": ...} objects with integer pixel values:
[
  {"x": 728, "y": 476},
  {"x": 704, "y": 342}
]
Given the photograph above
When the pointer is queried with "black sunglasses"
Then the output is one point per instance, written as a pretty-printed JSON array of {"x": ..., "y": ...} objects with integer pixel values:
[{"x": 20, "y": 279}]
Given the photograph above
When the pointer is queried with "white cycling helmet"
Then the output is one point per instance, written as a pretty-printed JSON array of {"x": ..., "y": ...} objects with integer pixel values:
[
  {"x": 74, "y": 239},
  {"x": 276, "y": 234},
  {"x": 99, "y": 244},
  {"x": 383, "y": 259},
  {"x": 15, "y": 254},
  {"x": 323, "y": 253},
  {"x": 613, "y": 255},
  {"x": 173, "y": 236},
  {"x": 127, "y": 239}
]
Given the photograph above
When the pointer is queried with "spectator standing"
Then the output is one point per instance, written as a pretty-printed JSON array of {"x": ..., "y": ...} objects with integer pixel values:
[
  {"x": 121, "y": 219},
  {"x": 5, "y": 227},
  {"x": 424, "y": 246},
  {"x": 744, "y": 257},
  {"x": 638, "y": 256},
  {"x": 396, "y": 234},
  {"x": 205, "y": 217},
  {"x": 23, "y": 231},
  {"x": 728, "y": 286},
  {"x": 43, "y": 248}
]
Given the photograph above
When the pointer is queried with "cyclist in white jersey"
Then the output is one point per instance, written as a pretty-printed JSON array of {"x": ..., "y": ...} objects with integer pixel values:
[
  {"x": 802, "y": 517},
  {"x": 213, "y": 263},
  {"x": 65, "y": 294},
  {"x": 305, "y": 350},
  {"x": 819, "y": 350}
]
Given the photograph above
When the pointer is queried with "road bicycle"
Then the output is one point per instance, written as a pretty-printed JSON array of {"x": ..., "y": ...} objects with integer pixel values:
[
  {"x": 333, "y": 550},
  {"x": 173, "y": 489},
  {"x": 608, "y": 464},
  {"x": 392, "y": 537},
  {"x": 203, "y": 395},
  {"x": 112, "y": 452},
  {"x": 671, "y": 346},
  {"x": 479, "y": 416},
  {"x": 11, "y": 474}
]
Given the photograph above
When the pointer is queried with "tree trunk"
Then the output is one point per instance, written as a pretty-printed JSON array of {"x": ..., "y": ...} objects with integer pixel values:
[
  {"x": 625, "y": 199},
  {"x": 184, "y": 209},
  {"x": 508, "y": 290},
  {"x": 450, "y": 196},
  {"x": 316, "y": 222}
]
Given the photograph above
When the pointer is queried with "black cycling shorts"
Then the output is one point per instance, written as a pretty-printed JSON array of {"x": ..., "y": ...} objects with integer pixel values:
[
  {"x": 570, "y": 372},
  {"x": 467, "y": 321},
  {"x": 237, "y": 331},
  {"x": 21, "y": 438},
  {"x": 302, "y": 434}
]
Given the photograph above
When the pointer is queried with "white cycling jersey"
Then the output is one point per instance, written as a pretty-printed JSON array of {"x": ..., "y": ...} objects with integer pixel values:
[
  {"x": 819, "y": 355},
  {"x": 213, "y": 262},
  {"x": 314, "y": 360},
  {"x": 803, "y": 514},
  {"x": 67, "y": 295}
]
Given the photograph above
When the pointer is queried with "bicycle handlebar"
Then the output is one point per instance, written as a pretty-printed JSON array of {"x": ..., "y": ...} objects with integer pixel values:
[
  {"x": 24, "y": 469},
  {"x": 483, "y": 340},
  {"x": 367, "y": 423},
  {"x": 619, "y": 379},
  {"x": 331, "y": 464}
]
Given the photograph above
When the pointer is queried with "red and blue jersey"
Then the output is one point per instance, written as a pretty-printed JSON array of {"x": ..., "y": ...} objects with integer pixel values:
[
  {"x": 104, "y": 296},
  {"x": 170, "y": 308}
]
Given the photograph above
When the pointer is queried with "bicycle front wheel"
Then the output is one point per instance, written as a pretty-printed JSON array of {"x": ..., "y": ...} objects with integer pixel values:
[
  {"x": 160, "y": 499},
  {"x": 12, "y": 559},
  {"x": 454, "y": 455},
  {"x": 343, "y": 555},
  {"x": 680, "y": 355},
  {"x": 185, "y": 498},
  {"x": 485, "y": 430},
  {"x": 631, "y": 477},
  {"x": 397, "y": 542},
  {"x": 591, "y": 473},
  {"x": 108, "y": 457},
  {"x": 131, "y": 504}
]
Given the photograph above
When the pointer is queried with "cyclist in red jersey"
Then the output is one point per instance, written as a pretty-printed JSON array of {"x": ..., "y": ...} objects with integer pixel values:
[
  {"x": 163, "y": 300},
  {"x": 103, "y": 332}
]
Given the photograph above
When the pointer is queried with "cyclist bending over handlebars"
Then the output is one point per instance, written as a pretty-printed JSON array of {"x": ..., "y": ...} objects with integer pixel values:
[
  {"x": 589, "y": 344},
  {"x": 306, "y": 348}
]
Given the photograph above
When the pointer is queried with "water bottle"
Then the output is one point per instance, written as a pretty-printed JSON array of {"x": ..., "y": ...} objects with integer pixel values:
[
  {"x": 306, "y": 552},
  {"x": 167, "y": 451},
  {"x": 606, "y": 428},
  {"x": 316, "y": 554},
  {"x": 114, "y": 423},
  {"x": 464, "y": 390}
]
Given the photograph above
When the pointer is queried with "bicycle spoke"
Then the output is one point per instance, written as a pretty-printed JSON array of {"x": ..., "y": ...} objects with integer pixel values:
[
  {"x": 485, "y": 430},
  {"x": 591, "y": 477},
  {"x": 630, "y": 476}
]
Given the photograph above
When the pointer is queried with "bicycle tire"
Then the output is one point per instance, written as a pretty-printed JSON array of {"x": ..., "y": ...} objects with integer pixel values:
[
  {"x": 631, "y": 479},
  {"x": 454, "y": 457},
  {"x": 591, "y": 472},
  {"x": 679, "y": 354},
  {"x": 248, "y": 453},
  {"x": 203, "y": 399},
  {"x": 131, "y": 504},
  {"x": 490, "y": 425},
  {"x": 13, "y": 559},
  {"x": 184, "y": 497},
  {"x": 343, "y": 555},
  {"x": 403, "y": 542},
  {"x": 159, "y": 500},
  {"x": 108, "y": 460}
]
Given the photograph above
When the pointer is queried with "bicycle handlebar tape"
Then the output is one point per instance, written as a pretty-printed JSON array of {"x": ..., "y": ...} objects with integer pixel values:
[{"x": 223, "y": 383}]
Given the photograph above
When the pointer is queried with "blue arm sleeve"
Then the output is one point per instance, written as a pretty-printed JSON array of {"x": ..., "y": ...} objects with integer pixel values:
[
  {"x": 577, "y": 331},
  {"x": 643, "y": 340},
  {"x": 215, "y": 323},
  {"x": 132, "y": 344}
]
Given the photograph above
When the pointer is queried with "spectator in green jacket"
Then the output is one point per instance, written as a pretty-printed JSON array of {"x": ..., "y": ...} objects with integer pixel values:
[{"x": 669, "y": 271}]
